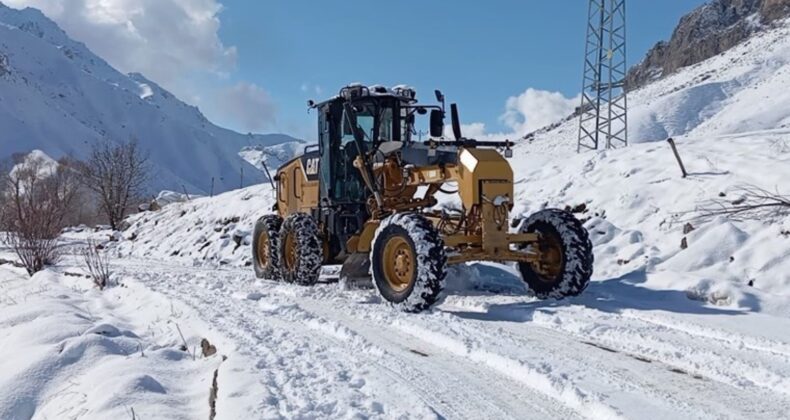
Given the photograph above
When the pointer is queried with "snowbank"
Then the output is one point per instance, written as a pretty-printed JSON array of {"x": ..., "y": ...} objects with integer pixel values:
[
  {"x": 75, "y": 352},
  {"x": 209, "y": 230}
]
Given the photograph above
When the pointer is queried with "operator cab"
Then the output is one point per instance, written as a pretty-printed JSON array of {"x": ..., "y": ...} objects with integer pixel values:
[{"x": 385, "y": 119}]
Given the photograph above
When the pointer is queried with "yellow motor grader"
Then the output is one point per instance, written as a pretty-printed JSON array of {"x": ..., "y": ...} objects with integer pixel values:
[{"x": 365, "y": 197}]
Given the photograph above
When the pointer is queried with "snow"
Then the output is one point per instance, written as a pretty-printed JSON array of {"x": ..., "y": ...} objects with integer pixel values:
[
  {"x": 74, "y": 352},
  {"x": 660, "y": 332},
  {"x": 45, "y": 165},
  {"x": 271, "y": 156},
  {"x": 169, "y": 197},
  {"x": 59, "y": 97}
]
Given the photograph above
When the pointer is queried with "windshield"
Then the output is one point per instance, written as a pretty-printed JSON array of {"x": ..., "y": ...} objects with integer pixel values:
[{"x": 368, "y": 122}]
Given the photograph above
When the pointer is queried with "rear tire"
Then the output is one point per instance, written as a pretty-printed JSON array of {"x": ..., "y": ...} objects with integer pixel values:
[
  {"x": 408, "y": 262},
  {"x": 265, "y": 256},
  {"x": 300, "y": 250},
  {"x": 568, "y": 255}
]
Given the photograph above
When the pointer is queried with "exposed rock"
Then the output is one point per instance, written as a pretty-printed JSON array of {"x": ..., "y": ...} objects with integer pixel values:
[
  {"x": 688, "y": 228},
  {"x": 207, "y": 348},
  {"x": 705, "y": 32}
]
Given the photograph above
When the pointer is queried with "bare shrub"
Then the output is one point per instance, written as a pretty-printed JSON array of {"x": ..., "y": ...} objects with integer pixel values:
[
  {"x": 35, "y": 201},
  {"x": 117, "y": 173},
  {"x": 85, "y": 206},
  {"x": 752, "y": 203},
  {"x": 97, "y": 264}
]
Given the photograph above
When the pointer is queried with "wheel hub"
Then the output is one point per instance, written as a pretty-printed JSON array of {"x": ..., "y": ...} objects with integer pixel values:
[
  {"x": 549, "y": 267},
  {"x": 290, "y": 251},
  {"x": 398, "y": 263},
  {"x": 263, "y": 249}
]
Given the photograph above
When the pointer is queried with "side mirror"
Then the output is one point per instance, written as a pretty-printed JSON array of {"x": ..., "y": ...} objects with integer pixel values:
[{"x": 437, "y": 123}]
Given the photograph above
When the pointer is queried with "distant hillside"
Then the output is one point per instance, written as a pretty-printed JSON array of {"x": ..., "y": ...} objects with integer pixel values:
[
  {"x": 59, "y": 97},
  {"x": 709, "y": 30}
]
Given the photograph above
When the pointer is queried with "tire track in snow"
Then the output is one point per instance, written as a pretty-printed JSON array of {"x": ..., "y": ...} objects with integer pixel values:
[
  {"x": 639, "y": 382},
  {"x": 455, "y": 388},
  {"x": 738, "y": 366},
  {"x": 344, "y": 322},
  {"x": 634, "y": 381},
  {"x": 439, "y": 387},
  {"x": 538, "y": 372},
  {"x": 304, "y": 376},
  {"x": 497, "y": 388}
]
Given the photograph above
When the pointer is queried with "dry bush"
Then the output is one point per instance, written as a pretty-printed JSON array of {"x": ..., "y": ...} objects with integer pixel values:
[
  {"x": 97, "y": 264},
  {"x": 84, "y": 208},
  {"x": 117, "y": 173},
  {"x": 752, "y": 203},
  {"x": 34, "y": 206}
]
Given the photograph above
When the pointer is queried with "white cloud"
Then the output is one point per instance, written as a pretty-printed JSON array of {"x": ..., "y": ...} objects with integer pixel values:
[
  {"x": 473, "y": 130},
  {"x": 310, "y": 89},
  {"x": 247, "y": 105},
  {"x": 535, "y": 109},
  {"x": 163, "y": 39},
  {"x": 525, "y": 113}
]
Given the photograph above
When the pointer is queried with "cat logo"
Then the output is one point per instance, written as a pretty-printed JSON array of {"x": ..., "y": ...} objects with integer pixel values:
[{"x": 312, "y": 166}]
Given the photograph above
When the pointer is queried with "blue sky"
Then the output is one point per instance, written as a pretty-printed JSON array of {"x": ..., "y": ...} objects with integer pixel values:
[
  {"x": 478, "y": 53},
  {"x": 511, "y": 65}
]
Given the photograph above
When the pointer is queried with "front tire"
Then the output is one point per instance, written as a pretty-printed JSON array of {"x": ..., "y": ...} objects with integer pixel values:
[
  {"x": 408, "y": 262},
  {"x": 566, "y": 255},
  {"x": 300, "y": 250},
  {"x": 265, "y": 255}
]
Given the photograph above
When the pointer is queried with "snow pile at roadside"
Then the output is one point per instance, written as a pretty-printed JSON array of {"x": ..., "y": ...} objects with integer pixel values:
[
  {"x": 166, "y": 197},
  {"x": 209, "y": 230},
  {"x": 70, "y": 353},
  {"x": 640, "y": 212}
]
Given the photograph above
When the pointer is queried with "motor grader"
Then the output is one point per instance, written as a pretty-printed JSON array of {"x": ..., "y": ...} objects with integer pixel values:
[{"x": 366, "y": 197}]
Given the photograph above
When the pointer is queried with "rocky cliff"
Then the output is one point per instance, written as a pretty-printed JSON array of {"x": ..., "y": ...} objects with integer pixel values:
[{"x": 705, "y": 32}]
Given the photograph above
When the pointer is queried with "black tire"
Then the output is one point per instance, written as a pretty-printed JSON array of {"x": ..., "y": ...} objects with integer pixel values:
[
  {"x": 303, "y": 266},
  {"x": 265, "y": 234},
  {"x": 423, "y": 246},
  {"x": 576, "y": 266}
]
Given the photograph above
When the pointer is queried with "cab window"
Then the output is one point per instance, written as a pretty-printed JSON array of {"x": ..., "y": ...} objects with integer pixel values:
[{"x": 366, "y": 121}]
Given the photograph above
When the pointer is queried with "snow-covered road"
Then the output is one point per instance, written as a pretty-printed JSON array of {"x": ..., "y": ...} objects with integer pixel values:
[{"x": 619, "y": 351}]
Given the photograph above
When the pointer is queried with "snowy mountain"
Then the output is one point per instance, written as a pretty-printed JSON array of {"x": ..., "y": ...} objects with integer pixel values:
[{"x": 59, "y": 97}]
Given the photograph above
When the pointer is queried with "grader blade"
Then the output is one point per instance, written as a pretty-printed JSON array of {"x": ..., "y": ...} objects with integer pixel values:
[{"x": 355, "y": 272}]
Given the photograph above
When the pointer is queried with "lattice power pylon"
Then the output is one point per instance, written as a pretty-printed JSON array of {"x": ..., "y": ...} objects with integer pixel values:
[{"x": 604, "y": 109}]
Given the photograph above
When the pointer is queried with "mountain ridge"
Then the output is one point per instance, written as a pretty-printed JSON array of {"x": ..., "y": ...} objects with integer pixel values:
[
  {"x": 58, "y": 96},
  {"x": 705, "y": 32}
]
